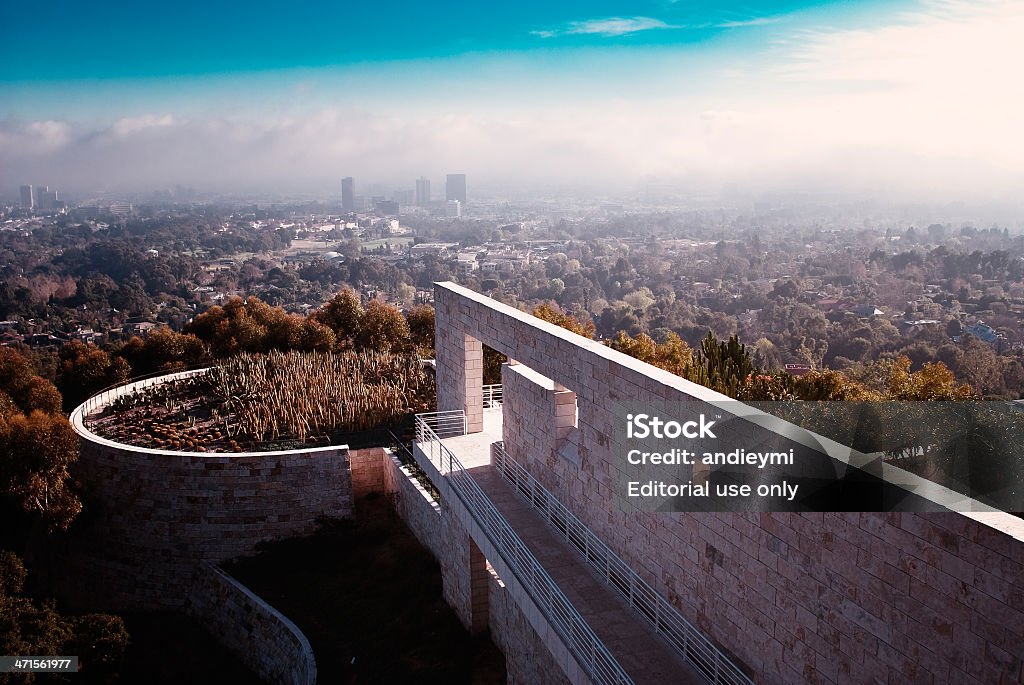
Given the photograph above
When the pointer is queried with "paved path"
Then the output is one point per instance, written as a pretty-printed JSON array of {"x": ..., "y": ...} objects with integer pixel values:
[{"x": 644, "y": 655}]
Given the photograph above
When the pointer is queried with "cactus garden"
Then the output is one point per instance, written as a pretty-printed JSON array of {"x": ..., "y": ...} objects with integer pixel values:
[{"x": 275, "y": 401}]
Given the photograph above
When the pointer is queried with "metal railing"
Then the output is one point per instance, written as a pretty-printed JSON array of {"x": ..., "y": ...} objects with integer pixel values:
[
  {"x": 444, "y": 424},
  {"x": 691, "y": 644},
  {"x": 407, "y": 458},
  {"x": 492, "y": 396},
  {"x": 578, "y": 636}
]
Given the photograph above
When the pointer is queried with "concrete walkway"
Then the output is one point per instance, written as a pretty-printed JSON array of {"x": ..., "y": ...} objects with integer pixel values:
[{"x": 643, "y": 655}]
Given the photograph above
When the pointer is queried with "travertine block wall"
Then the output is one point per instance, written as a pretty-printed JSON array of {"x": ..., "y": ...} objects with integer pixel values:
[
  {"x": 464, "y": 388},
  {"x": 414, "y": 504},
  {"x": 528, "y": 660},
  {"x": 830, "y": 598},
  {"x": 527, "y": 413},
  {"x": 263, "y": 638},
  {"x": 440, "y": 532},
  {"x": 367, "y": 467},
  {"x": 458, "y": 521},
  {"x": 479, "y": 592}
]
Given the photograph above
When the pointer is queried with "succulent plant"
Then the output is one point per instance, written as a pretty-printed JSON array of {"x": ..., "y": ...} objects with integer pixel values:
[{"x": 257, "y": 398}]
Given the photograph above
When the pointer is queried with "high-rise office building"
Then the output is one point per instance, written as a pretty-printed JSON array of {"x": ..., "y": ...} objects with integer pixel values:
[
  {"x": 47, "y": 199},
  {"x": 455, "y": 188},
  {"x": 42, "y": 197},
  {"x": 452, "y": 208},
  {"x": 348, "y": 194},
  {"x": 422, "y": 191},
  {"x": 28, "y": 200}
]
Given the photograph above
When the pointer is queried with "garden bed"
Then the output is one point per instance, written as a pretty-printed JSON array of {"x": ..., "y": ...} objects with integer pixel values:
[{"x": 276, "y": 401}]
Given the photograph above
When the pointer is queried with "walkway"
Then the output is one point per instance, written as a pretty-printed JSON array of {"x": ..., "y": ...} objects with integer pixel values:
[{"x": 644, "y": 655}]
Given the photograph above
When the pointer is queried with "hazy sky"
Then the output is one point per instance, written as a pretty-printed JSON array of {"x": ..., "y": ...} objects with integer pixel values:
[{"x": 918, "y": 98}]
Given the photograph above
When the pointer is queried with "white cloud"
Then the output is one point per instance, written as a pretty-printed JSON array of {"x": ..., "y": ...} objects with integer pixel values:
[
  {"x": 34, "y": 138},
  {"x": 757, "y": 21},
  {"x": 945, "y": 83},
  {"x": 127, "y": 126},
  {"x": 612, "y": 26}
]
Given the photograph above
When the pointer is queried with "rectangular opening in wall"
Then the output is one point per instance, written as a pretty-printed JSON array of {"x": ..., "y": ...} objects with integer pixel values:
[{"x": 566, "y": 419}]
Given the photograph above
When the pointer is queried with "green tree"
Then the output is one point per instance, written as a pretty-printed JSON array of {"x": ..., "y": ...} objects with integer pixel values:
[
  {"x": 36, "y": 452},
  {"x": 933, "y": 382},
  {"x": 37, "y": 628},
  {"x": 343, "y": 315},
  {"x": 28, "y": 391},
  {"x": 85, "y": 369},
  {"x": 551, "y": 313},
  {"x": 214, "y": 328},
  {"x": 722, "y": 366},
  {"x": 315, "y": 337},
  {"x": 7, "y": 406},
  {"x": 383, "y": 328},
  {"x": 980, "y": 366},
  {"x": 831, "y": 386},
  {"x": 164, "y": 350},
  {"x": 673, "y": 355},
  {"x": 421, "y": 329}
]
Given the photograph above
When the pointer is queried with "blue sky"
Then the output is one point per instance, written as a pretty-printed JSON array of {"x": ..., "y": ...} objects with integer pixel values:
[
  {"x": 90, "y": 61},
  {"x": 860, "y": 94},
  {"x": 112, "y": 40}
]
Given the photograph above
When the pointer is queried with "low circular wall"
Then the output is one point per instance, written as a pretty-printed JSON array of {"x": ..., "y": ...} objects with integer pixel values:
[{"x": 152, "y": 515}]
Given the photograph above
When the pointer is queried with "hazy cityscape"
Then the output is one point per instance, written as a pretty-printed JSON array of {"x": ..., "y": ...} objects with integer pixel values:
[{"x": 315, "y": 347}]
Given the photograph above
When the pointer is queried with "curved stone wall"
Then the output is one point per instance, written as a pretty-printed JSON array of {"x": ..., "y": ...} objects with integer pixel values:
[
  {"x": 153, "y": 515},
  {"x": 261, "y": 636}
]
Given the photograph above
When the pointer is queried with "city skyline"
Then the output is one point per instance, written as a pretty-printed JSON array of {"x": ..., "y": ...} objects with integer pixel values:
[{"x": 910, "y": 99}]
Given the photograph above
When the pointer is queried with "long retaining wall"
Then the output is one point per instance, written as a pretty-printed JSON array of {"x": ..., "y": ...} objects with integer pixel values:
[
  {"x": 813, "y": 597},
  {"x": 528, "y": 660},
  {"x": 153, "y": 515},
  {"x": 263, "y": 638},
  {"x": 417, "y": 508}
]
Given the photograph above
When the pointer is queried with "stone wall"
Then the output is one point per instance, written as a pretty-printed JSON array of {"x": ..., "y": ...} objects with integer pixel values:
[
  {"x": 530, "y": 412},
  {"x": 819, "y": 597},
  {"x": 527, "y": 658},
  {"x": 419, "y": 511},
  {"x": 263, "y": 638},
  {"x": 151, "y": 515},
  {"x": 440, "y": 532},
  {"x": 367, "y": 467},
  {"x": 460, "y": 531}
]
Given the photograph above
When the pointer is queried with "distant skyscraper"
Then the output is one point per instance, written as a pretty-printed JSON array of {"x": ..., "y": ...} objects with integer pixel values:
[
  {"x": 28, "y": 200},
  {"x": 452, "y": 208},
  {"x": 348, "y": 194},
  {"x": 455, "y": 188},
  {"x": 422, "y": 191},
  {"x": 44, "y": 198}
]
